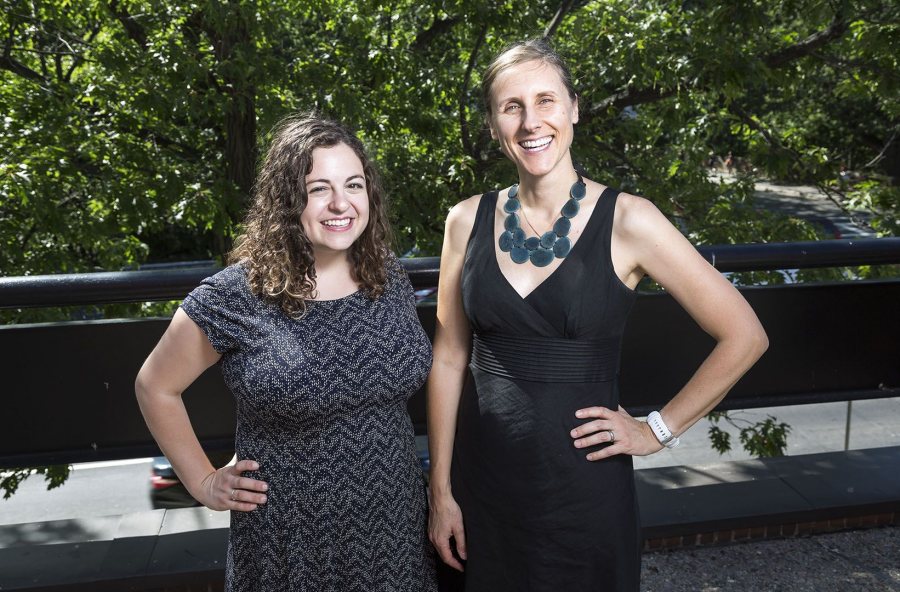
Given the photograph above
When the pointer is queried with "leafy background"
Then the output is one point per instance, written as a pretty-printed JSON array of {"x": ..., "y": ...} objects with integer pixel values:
[{"x": 131, "y": 130}]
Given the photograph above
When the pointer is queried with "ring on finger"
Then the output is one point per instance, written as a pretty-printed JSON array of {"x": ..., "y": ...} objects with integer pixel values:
[
  {"x": 612, "y": 436},
  {"x": 234, "y": 499}
]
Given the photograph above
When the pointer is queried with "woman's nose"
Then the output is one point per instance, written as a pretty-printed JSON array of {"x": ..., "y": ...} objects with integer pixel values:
[
  {"x": 339, "y": 202},
  {"x": 530, "y": 120}
]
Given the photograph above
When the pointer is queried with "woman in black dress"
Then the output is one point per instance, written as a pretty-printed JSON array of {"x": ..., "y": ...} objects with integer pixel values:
[
  {"x": 315, "y": 327},
  {"x": 531, "y": 473}
]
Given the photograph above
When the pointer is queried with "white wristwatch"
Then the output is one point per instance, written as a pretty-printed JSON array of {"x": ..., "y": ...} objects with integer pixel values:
[{"x": 662, "y": 431}]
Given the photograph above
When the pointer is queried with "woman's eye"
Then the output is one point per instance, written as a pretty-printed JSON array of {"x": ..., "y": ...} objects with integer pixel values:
[
  {"x": 355, "y": 185},
  {"x": 510, "y": 108},
  {"x": 318, "y": 189}
]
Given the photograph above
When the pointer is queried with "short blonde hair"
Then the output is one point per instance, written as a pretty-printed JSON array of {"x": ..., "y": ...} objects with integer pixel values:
[{"x": 537, "y": 49}]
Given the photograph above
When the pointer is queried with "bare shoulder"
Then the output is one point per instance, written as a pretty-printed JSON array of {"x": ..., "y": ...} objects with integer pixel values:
[
  {"x": 464, "y": 211},
  {"x": 460, "y": 220},
  {"x": 645, "y": 239},
  {"x": 635, "y": 216}
]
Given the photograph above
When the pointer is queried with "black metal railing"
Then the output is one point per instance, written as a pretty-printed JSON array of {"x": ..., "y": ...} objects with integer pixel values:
[
  {"x": 144, "y": 286},
  {"x": 70, "y": 384}
]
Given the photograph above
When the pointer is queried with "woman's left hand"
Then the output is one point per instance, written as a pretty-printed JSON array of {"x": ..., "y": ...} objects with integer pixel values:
[{"x": 623, "y": 433}]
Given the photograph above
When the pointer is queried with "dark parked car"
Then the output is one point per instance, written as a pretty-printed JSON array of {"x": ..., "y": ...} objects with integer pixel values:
[{"x": 167, "y": 491}]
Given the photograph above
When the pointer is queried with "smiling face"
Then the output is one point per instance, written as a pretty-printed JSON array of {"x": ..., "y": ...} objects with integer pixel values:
[
  {"x": 337, "y": 208},
  {"x": 532, "y": 116}
]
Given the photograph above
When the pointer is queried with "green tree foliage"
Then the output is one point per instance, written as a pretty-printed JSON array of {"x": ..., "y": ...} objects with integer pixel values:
[
  {"x": 130, "y": 129},
  {"x": 764, "y": 438},
  {"x": 54, "y": 475}
]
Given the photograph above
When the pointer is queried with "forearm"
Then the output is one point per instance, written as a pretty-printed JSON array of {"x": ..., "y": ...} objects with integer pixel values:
[
  {"x": 444, "y": 389},
  {"x": 170, "y": 425},
  {"x": 721, "y": 370}
]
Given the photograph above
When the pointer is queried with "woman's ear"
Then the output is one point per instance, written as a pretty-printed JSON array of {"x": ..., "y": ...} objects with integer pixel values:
[
  {"x": 487, "y": 122},
  {"x": 575, "y": 110}
]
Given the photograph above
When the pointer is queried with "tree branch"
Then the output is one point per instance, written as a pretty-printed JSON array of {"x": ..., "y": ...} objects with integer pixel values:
[
  {"x": 184, "y": 150},
  {"x": 20, "y": 69},
  {"x": 783, "y": 57},
  {"x": 79, "y": 59},
  {"x": 849, "y": 66},
  {"x": 9, "y": 63},
  {"x": 437, "y": 28},
  {"x": 27, "y": 238},
  {"x": 554, "y": 23},
  {"x": 637, "y": 96},
  {"x": 134, "y": 30},
  {"x": 884, "y": 150},
  {"x": 464, "y": 94},
  {"x": 631, "y": 96},
  {"x": 44, "y": 51}
]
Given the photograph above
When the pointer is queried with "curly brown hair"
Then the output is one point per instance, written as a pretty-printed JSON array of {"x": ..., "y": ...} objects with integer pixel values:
[{"x": 274, "y": 248}]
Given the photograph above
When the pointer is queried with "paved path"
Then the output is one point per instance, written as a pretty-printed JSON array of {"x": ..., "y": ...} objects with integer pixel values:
[
  {"x": 815, "y": 428},
  {"x": 863, "y": 560},
  {"x": 808, "y": 203}
]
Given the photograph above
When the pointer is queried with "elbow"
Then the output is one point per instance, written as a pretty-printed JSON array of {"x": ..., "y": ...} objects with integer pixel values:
[
  {"x": 140, "y": 388},
  {"x": 748, "y": 342},
  {"x": 759, "y": 342},
  {"x": 143, "y": 387}
]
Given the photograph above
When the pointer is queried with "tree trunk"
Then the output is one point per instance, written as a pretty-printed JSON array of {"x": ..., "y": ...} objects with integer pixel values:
[{"x": 236, "y": 59}]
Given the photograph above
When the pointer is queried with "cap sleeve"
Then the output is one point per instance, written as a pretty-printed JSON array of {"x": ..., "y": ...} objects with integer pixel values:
[
  {"x": 399, "y": 278},
  {"x": 220, "y": 307}
]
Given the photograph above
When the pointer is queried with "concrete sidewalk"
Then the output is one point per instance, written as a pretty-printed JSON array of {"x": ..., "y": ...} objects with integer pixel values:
[
  {"x": 820, "y": 427},
  {"x": 681, "y": 507},
  {"x": 862, "y": 560}
]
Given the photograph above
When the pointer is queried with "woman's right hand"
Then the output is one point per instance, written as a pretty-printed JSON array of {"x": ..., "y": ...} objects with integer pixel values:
[
  {"x": 227, "y": 489},
  {"x": 445, "y": 522}
]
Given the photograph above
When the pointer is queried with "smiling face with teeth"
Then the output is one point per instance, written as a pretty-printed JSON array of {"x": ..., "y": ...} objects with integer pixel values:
[
  {"x": 337, "y": 208},
  {"x": 532, "y": 116}
]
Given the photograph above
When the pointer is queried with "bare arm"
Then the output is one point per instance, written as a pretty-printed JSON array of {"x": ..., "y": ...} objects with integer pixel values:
[
  {"x": 452, "y": 341},
  {"x": 182, "y": 354},
  {"x": 645, "y": 242}
]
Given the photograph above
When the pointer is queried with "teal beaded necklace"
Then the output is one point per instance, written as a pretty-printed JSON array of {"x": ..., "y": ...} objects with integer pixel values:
[{"x": 553, "y": 243}]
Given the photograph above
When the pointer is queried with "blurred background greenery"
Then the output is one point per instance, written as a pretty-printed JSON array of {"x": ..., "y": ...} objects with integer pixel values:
[{"x": 131, "y": 130}]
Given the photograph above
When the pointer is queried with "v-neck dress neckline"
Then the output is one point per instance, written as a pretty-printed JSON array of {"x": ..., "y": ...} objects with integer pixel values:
[
  {"x": 588, "y": 228},
  {"x": 571, "y": 302}
]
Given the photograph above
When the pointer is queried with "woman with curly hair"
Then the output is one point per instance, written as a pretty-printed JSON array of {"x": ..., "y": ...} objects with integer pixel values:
[{"x": 315, "y": 326}]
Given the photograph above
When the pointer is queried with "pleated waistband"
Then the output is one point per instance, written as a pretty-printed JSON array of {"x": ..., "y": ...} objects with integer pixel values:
[{"x": 546, "y": 359}]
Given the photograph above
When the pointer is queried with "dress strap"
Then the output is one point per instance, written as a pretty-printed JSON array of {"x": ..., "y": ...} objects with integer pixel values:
[
  {"x": 482, "y": 229},
  {"x": 601, "y": 225},
  {"x": 607, "y": 203}
]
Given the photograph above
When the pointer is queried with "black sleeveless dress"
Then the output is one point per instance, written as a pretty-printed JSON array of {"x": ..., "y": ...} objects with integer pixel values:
[{"x": 538, "y": 515}]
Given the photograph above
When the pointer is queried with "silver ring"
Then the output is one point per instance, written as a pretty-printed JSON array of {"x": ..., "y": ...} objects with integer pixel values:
[
  {"x": 612, "y": 436},
  {"x": 232, "y": 495}
]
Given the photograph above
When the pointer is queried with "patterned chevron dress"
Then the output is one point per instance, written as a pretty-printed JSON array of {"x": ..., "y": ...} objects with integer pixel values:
[{"x": 321, "y": 405}]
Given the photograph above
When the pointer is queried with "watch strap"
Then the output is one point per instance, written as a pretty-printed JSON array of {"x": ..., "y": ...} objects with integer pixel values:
[{"x": 661, "y": 430}]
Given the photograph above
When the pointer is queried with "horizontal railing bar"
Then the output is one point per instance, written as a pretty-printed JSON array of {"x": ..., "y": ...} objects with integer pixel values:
[
  {"x": 145, "y": 286},
  {"x": 803, "y": 255}
]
